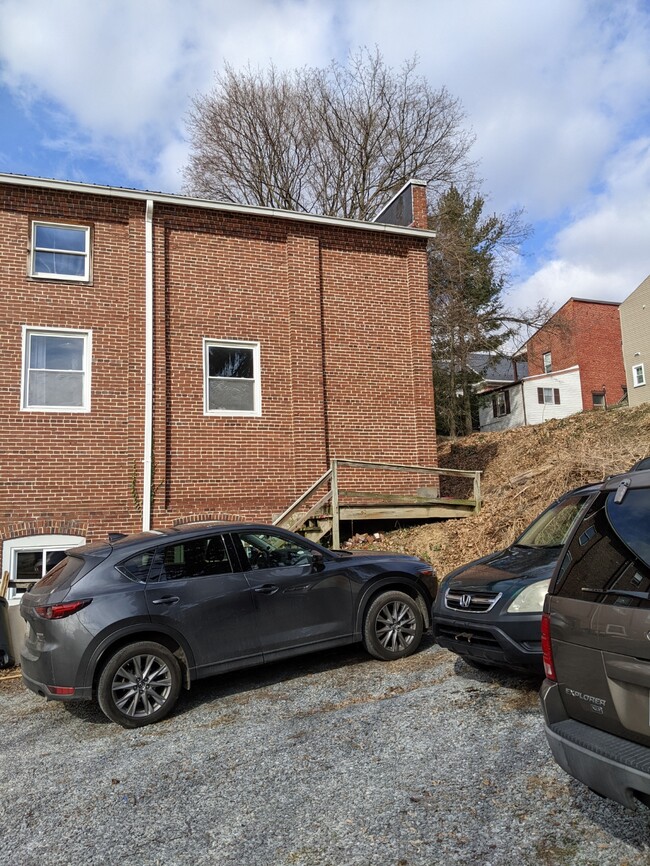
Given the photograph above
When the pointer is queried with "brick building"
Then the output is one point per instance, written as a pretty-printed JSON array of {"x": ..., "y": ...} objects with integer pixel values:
[
  {"x": 587, "y": 334},
  {"x": 168, "y": 359},
  {"x": 575, "y": 362}
]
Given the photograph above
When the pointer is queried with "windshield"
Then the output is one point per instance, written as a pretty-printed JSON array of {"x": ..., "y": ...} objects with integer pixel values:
[{"x": 552, "y": 527}]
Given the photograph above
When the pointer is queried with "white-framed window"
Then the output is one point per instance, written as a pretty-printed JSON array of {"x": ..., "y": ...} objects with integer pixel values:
[
  {"x": 29, "y": 559},
  {"x": 501, "y": 404},
  {"x": 60, "y": 252},
  {"x": 638, "y": 375},
  {"x": 56, "y": 370},
  {"x": 231, "y": 373},
  {"x": 549, "y": 396},
  {"x": 547, "y": 361}
]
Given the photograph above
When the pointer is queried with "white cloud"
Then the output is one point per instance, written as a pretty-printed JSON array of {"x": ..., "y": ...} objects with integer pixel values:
[
  {"x": 603, "y": 251},
  {"x": 556, "y": 92}
]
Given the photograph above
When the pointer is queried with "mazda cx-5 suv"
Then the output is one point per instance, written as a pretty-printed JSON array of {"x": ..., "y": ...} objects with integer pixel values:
[
  {"x": 596, "y": 640},
  {"x": 130, "y": 621}
]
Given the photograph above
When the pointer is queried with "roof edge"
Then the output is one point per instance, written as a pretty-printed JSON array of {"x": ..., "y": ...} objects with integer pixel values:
[{"x": 208, "y": 204}]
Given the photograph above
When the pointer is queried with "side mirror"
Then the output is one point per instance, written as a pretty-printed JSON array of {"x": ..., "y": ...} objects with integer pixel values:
[{"x": 317, "y": 561}]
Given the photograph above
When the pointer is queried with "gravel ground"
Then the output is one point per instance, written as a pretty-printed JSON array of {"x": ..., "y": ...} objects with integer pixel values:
[{"x": 330, "y": 759}]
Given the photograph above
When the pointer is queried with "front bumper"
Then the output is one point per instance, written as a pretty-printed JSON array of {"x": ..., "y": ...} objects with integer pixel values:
[
  {"x": 512, "y": 643},
  {"x": 609, "y": 765}
]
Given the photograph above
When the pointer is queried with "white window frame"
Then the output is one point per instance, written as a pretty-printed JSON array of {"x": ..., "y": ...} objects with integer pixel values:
[
  {"x": 33, "y": 544},
  {"x": 634, "y": 375},
  {"x": 547, "y": 362},
  {"x": 28, "y": 330},
  {"x": 548, "y": 392},
  {"x": 47, "y": 275},
  {"x": 256, "y": 411}
]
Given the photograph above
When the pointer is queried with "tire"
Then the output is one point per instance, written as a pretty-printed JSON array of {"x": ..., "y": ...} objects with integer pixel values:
[
  {"x": 393, "y": 626},
  {"x": 139, "y": 684}
]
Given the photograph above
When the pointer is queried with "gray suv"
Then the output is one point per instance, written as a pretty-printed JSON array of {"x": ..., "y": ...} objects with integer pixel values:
[
  {"x": 130, "y": 621},
  {"x": 596, "y": 642}
]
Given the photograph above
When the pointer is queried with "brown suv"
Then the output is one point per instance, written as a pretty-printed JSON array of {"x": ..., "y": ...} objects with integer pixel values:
[{"x": 596, "y": 642}]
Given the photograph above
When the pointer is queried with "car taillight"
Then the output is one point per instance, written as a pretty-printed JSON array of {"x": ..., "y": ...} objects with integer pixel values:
[
  {"x": 63, "y": 609},
  {"x": 547, "y": 649},
  {"x": 61, "y": 690}
]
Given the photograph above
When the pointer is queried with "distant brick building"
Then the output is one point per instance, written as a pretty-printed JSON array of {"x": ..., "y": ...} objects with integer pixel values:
[
  {"x": 575, "y": 362},
  {"x": 587, "y": 334},
  {"x": 169, "y": 359}
]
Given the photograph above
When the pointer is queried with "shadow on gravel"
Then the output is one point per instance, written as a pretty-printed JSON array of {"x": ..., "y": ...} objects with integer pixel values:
[
  {"x": 501, "y": 676},
  {"x": 624, "y": 824},
  {"x": 264, "y": 676},
  {"x": 246, "y": 682}
]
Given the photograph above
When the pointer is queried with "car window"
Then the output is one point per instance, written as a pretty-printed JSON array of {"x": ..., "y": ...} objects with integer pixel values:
[
  {"x": 552, "y": 527},
  {"x": 267, "y": 550},
  {"x": 597, "y": 566},
  {"x": 630, "y": 519},
  {"x": 198, "y": 557},
  {"x": 137, "y": 567}
]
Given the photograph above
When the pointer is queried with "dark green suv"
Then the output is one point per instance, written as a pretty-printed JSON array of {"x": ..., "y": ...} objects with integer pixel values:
[{"x": 596, "y": 642}]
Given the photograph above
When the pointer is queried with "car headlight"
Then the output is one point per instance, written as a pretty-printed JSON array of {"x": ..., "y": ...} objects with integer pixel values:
[{"x": 530, "y": 599}]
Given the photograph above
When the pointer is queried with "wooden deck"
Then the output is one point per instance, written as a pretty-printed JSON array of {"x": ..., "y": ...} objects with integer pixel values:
[{"x": 326, "y": 510}]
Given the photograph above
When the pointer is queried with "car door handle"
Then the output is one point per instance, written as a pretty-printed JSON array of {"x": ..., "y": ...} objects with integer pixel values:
[
  {"x": 166, "y": 599},
  {"x": 267, "y": 588}
]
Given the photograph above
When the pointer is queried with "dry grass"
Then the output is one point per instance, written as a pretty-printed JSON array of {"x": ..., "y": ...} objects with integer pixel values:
[{"x": 524, "y": 470}]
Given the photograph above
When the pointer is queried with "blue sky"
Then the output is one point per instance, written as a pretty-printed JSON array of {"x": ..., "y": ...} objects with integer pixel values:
[{"x": 557, "y": 93}]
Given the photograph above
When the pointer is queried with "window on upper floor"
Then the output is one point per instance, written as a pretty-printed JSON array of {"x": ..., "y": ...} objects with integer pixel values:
[
  {"x": 547, "y": 362},
  {"x": 550, "y": 396},
  {"x": 232, "y": 378},
  {"x": 56, "y": 370},
  {"x": 638, "y": 375},
  {"x": 60, "y": 252}
]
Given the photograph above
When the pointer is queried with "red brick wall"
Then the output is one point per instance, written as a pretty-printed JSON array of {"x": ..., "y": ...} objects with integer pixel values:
[
  {"x": 586, "y": 333},
  {"x": 341, "y": 318}
]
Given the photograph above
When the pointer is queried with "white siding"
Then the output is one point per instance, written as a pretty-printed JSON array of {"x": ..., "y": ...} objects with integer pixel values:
[
  {"x": 516, "y": 417},
  {"x": 635, "y": 330},
  {"x": 568, "y": 384}
]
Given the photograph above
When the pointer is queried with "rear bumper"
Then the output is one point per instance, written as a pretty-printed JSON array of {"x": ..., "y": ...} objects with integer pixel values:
[
  {"x": 39, "y": 688},
  {"x": 609, "y": 765},
  {"x": 486, "y": 642}
]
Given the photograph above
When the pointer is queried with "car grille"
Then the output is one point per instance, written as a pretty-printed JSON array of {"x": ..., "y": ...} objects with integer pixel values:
[{"x": 475, "y": 602}]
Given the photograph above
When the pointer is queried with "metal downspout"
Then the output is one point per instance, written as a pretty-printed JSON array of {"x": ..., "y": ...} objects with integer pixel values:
[{"x": 148, "y": 367}]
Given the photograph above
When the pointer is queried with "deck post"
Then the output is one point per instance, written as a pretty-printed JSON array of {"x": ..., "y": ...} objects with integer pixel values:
[
  {"x": 336, "y": 529},
  {"x": 477, "y": 492}
]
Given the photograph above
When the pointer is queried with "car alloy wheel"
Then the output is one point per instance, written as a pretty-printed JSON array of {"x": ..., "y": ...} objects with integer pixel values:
[
  {"x": 393, "y": 626},
  {"x": 139, "y": 685}
]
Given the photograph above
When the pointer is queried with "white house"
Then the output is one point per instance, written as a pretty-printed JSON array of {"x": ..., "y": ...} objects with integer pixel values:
[{"x": 532, "y": 400}]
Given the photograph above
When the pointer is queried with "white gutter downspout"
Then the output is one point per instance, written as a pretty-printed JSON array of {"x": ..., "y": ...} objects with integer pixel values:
[{"x": 148, "y": 367}]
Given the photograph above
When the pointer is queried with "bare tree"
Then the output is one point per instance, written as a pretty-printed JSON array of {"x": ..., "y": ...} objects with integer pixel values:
[{"x": 337, "y": 141}]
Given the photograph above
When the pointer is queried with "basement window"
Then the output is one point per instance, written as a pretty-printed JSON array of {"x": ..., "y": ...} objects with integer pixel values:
[
  {"x": 60, "y": 252},
  {"x": 231, "y": 377}
]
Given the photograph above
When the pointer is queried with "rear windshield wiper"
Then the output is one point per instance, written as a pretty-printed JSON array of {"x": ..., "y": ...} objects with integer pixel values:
[{"x": 625, "y": 593}]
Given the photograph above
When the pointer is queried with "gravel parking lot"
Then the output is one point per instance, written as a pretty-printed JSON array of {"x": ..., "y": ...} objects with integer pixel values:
[{"x": 327, "y": 759}]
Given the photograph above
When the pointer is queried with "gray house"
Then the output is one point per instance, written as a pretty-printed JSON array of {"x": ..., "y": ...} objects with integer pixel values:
[{"x": 635, "y": 332}]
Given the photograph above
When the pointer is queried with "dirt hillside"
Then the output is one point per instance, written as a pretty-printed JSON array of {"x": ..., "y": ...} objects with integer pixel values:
[{"x": 524, "y": 470}]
